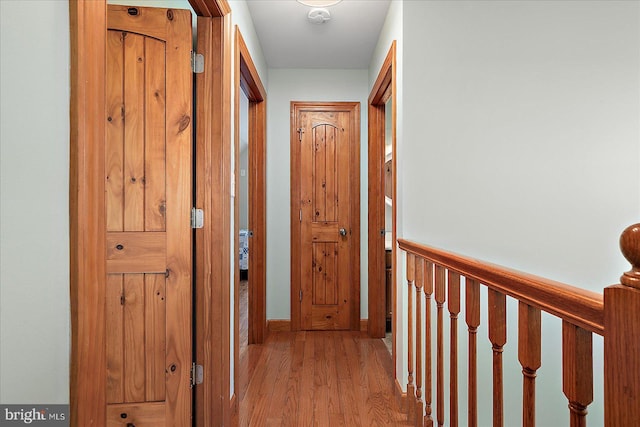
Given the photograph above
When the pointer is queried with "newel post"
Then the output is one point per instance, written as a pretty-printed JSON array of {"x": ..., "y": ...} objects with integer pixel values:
[{"x": 622, "y": 339}]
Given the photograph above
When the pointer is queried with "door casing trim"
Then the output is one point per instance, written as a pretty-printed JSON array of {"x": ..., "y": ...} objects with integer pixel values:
[
  {"x": 383, "y": 89},
  {"x": 354, "y": 108},
  {"x": 248, "y": 80}
]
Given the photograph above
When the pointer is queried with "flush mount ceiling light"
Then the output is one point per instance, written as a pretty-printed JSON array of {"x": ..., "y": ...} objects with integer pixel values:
[
  {"x": 318, "y": 15},
  {"x": 319, "y": 3}
]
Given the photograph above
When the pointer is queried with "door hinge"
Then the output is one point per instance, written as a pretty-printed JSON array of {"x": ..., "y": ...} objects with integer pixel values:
[
  {"x": 300, "y": 295},
  {"x": 197, "y": 62},
  {"x": 300, "y": 215},
  {"x": 197, "y": 374},
  {"x": 300, "y": 132},
  {"x": 197, "y": 218}
]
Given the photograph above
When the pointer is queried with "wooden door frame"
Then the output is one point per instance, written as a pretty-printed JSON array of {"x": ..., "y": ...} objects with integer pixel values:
[
  {"x": 87, "y": 238},
  {"x": 354, "y": 108},
  {"x": 248, "y": 81},
  {"x": 383, "y": 90}
]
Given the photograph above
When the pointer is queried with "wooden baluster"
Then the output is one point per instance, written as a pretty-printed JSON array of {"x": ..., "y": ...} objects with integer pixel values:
[
  {"x": 577, "y": 371},
  {"x": 529, "y": 355},
  {"x": 498, "y": 338},
  {"x": 410, "y": 387},
  {"x": 454, "y": 310},
  {"x": 428, "y": 395},
  {"x": 440, "y": 298},
  {"x": 419, "y": 275},
  {"x": 621, "y": 339},
  {"x": 472, "y": 310}
]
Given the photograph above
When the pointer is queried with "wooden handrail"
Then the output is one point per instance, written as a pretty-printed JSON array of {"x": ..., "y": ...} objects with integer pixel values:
[{"x": 575, "y": 305}]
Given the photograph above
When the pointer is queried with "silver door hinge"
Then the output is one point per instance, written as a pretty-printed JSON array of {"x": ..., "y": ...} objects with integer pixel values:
[
  {"x": 197, "y": 218},
  {"x": 300, "y": 295},
  {"x": 197, "y": 374},
  {"x": 197, "y": 62}
]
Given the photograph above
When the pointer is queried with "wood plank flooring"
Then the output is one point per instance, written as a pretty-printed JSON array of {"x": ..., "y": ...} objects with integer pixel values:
[{"x": 317, "y": 379}]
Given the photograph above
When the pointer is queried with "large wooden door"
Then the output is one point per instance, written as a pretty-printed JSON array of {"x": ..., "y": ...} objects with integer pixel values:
[
  {"x": 325, "y": 187},
  {"x": 148, "y": 201}
]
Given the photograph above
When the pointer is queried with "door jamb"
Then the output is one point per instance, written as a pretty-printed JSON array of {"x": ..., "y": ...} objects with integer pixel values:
[
  {"x": 383, "y": 89},
  {"x": 248, "y": 80},
  {"x": 354, "y": 108},
  {"x": 88, "y": 25}
]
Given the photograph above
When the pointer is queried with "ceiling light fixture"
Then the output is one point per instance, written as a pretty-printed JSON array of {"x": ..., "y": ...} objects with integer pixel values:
[
  {"x": 318, "y": 15},
  {"x": 319, "y": 3}
]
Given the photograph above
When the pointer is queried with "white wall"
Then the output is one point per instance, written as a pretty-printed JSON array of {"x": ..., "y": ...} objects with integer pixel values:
[
  {"x": 34, "y": 146},
  {"x": 522, "y": 147},
  {"x": 286, "y": 85}
]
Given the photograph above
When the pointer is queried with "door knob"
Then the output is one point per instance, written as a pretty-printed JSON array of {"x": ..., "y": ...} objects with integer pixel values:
[{"x": 343, "y": 232}]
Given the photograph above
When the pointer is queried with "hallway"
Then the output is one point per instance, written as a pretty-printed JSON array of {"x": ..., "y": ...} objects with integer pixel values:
[{"x": 317, "y": 379}]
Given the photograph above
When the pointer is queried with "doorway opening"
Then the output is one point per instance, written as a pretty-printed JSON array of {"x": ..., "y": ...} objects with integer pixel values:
[
  {"x": 382, "y": 208},
  {"x": 245, "y": 231},
  {"x": 250, "y": 225}
]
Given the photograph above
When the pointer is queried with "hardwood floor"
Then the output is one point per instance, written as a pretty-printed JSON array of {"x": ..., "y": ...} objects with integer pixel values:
[
  {"x": 244, "y": 317},
  {"x": 317, "y": 379}
]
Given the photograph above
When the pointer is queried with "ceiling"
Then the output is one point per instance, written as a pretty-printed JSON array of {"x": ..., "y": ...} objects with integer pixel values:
[{"x": 289, "y": 40}]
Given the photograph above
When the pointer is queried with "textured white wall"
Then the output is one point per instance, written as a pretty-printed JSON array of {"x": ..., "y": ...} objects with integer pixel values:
[
  {"x": 34, "y": 144},
  {"x": 286, "y": 85},
  {"x": 522, "y": 147}
]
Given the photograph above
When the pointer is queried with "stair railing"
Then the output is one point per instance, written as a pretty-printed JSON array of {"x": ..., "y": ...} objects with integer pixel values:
[{"x": 614, "y": 315}]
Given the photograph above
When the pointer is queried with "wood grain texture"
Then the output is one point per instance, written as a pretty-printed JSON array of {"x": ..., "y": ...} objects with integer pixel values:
[
  {"x": 315, "y": 156},
  {"x": 428, "y": 387},
  {"x": 179, "y": 234},
  {"x": 385, "y": 85},
  {"x": 213, "y": 160},
  {"x": 114, "y": 143},
  {"x": 622, "y": 355},
  {"x": 154, "y": 180},
  {"x": 439, "y": 284},
  {"x": 497, "y": 303},
  {"x": 530, "y": 357},
  {"x": 247, "y": 80},
  {"x": 210, "y": 8},
  {"x": 318, "y": 378},
  {"x": 578, "y": 306},
  {"x": 136, "y": 414},
  {"x": 136, "y": 252},
  {"x": 453, "y": 284},
  {"x": 115, "y": 338},
  {"x": 155, "y": 317},
  {"x": 134, "y": 126},
  {"x": 472, "y": 314},
  {"x": 87, "y": 21},
  {"x": 157, "y": 179},
  {"x": 419, "y": 284},
  {"x": 577, "y": 371},
  {"x": 410, "y": 269},
  {"x": 621, "y": 343}
]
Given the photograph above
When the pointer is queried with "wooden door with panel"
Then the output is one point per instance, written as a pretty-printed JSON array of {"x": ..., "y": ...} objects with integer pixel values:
[
  {"x": 148, "y": 200},
  {"x": 329, "y": 222}
]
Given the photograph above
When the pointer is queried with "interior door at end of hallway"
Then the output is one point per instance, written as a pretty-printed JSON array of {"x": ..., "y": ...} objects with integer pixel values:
[{"x": 326, "y": 217}]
